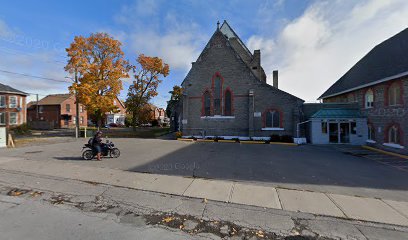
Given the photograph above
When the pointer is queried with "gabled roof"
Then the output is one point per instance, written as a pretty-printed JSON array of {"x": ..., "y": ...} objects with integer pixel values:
[
  {"x": 337, "y": 113},
  {"x": 227, "y": 30},
  {"x": 8, "y": 89},
  {"x": 54, "y": 99},
  {"x": 386, "y": 61}
]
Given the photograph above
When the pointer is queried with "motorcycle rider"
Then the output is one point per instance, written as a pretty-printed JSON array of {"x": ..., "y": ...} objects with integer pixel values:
[{"x": 97, "y": 144}]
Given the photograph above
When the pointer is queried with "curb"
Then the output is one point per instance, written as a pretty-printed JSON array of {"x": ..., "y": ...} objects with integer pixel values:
[
  {"x": 234, "y": 141},
  {"x": 385, "y": 152}
]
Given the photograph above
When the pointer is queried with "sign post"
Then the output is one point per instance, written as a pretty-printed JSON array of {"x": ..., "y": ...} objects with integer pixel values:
[{"x": 3, "y": 137}]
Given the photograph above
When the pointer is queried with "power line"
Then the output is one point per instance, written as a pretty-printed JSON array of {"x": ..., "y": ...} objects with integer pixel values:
[
  {"x": 28, "y": 75},
  {"x": 16, "y": 52}
]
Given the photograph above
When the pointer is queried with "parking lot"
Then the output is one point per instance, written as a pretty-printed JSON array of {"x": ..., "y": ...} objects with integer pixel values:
[{"x": 334, "y": 169}]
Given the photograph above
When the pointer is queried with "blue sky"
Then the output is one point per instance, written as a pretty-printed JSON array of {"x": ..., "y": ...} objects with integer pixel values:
[{"x": 311, "y": 43}]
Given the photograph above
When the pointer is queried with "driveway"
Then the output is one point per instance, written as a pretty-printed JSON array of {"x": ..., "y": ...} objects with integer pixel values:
[{"x": 331, "y": 169}]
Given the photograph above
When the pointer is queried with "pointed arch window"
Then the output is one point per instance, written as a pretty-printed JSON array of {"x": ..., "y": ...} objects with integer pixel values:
[
  {"x": 206, "y": 104},
  {"x": 369, "y": 98},
  {"x": 217, "y": 95},
  {"x": 393, "y": 135},
  {"x": 228, "y": 103},
  {"x": 272, "y": 119}
]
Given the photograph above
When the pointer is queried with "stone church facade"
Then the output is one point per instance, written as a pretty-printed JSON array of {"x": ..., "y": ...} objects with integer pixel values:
[{"x": 226, "y": 94}]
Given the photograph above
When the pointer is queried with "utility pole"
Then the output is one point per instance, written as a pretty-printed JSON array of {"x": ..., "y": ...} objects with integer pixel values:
[
  {"x": 77, "y": 108},
  {"x": 37, "y": 108}
]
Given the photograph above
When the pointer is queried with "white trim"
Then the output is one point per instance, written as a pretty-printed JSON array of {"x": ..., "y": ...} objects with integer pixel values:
[
  {"x": 367, "y": 85},
  {"x": 15, "y": 104},
  {"x": 217, "y": 117},
  {"x": 370, "y": 141},
  {"x": 393, "y": 145},
  {"x": 272, "y": 129},
  {"x": 4, "y": 123},
  {"x": 10, "y": 123}
]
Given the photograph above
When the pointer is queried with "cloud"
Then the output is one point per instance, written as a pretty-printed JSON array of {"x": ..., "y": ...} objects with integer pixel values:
[
  {"x": 315, "y": 49},
  {"x": 162, "y": 33}
]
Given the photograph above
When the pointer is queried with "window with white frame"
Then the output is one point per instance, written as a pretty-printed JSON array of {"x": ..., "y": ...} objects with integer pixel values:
[
  {"x": 369, "y": 99},
  {"x": 12, "y": 102},
  {"x": 2, "y": 118},
  {"x": 68, "y": 107},
  {"x": 81, "y": 120},
  {"x": 74, "y": 120},
  {"x": 12, "y": 118},
  {"x": 2, "y": 101},
  {"x": 393, "y": 135},
  {"x": 81, "y": 108},
  {"x": 394, "y": 94}
]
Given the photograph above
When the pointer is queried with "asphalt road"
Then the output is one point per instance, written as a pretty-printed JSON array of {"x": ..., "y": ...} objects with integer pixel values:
[{"x": 308, "y": 167}]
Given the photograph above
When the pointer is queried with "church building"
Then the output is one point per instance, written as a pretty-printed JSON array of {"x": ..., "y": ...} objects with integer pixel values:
[{"x": 226, "y": 94}]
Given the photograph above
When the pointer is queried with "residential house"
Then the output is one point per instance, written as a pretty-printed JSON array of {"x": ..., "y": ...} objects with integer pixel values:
[
  {"x": 56, "y": 111},
  {"x": 378, "y": 84},
  {"x": 226, "y": 94},
  {"x": 117, "y": 117},
  {"x": 13, "y": 109}
]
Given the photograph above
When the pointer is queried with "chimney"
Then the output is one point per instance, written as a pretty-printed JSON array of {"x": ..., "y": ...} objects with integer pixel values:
[
  {"x": 275, "y": 78},
  {"x": 257, "y": 58}
]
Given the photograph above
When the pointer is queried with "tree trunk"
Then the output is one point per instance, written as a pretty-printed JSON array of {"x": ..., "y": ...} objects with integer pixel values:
[{"x": 134, "y": 120}]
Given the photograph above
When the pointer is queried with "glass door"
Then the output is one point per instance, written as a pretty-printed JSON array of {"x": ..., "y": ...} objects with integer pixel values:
[
  {"x": 345, "y": 132},
  {"x": 333, "y": 132}
]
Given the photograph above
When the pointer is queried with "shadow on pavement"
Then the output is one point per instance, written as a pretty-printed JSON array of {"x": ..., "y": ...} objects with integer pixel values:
[{"x": 308, "y": 164}]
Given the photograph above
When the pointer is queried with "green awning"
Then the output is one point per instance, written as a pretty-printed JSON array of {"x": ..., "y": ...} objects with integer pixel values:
[{"x": 338, "y": 113}]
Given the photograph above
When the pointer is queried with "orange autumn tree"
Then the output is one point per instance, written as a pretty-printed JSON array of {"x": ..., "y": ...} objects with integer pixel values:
[
  {"x": 99, "y": 64},
  {"x": 147, "y": 76}
]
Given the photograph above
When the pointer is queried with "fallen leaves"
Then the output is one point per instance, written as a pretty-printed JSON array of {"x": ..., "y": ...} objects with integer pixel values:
[
  {"x": 17, "y": 192},
  {"x": 168, "y": 219}
]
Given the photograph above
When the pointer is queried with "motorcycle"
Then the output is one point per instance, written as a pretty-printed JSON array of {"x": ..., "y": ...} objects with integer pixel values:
[{"x": 108, "y": 149}]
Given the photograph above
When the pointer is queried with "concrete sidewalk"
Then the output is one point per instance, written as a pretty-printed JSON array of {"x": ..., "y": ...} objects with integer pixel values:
[{"x": 325, "y": 204}]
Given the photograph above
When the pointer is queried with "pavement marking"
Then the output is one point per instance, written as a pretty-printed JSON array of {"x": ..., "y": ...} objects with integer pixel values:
[
  {"x": 368, "y": 209},
  {"x": 309, "y": 202},
  {"x": 385, "y": 152},
  {"x": 213, "y": 190},
  {"x": 255, "y": 195}
]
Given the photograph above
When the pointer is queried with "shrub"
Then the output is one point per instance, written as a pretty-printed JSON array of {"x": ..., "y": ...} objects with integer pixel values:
[
  {"x": 21, "y": 129},
  {"x": 179, "y": 134},
  {"x": 155, "y": 123},
  {"x": 275, "y": 138},
  {"x": 287, "y": 139}
]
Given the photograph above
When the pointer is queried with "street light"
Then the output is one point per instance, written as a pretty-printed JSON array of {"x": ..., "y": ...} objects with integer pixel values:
[{"x": 76, "y": 106}]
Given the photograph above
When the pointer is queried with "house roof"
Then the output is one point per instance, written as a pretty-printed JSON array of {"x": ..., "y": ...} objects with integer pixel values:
[
  {"x": 387, "y": 61},
  {"x": 8, "y": 89},
  {"x": 337, "y": 113},
  {"x": 53, "y": 99}
]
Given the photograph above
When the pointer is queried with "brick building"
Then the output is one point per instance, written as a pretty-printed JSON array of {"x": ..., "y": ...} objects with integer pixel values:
[
  {"x": 56, "y": 111},
  {"x": 117, "y": 117},
  {"x": 13, "y": 109},
  {"x": 378, "y": 83},
  {"x": 226, "y": 94}
]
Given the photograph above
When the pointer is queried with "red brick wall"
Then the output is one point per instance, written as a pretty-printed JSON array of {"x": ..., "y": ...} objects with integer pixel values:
[
  {"x": 381, "y": 116},
  {"x": 54, "y": 114},
  {"x": 21, "y": 104}
]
